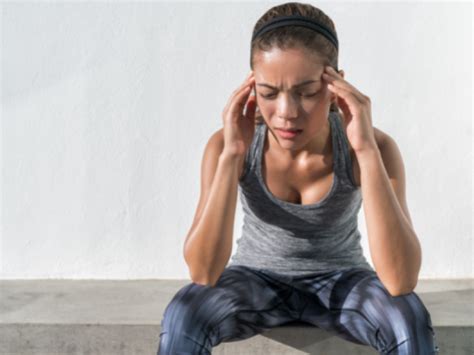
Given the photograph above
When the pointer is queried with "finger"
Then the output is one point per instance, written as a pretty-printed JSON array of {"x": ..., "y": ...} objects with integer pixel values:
[
  {"x": 250, "y": 106},
  {"x": 238, "y": 103},
  {"x": 235, "y": 93},
  {"x": 350, "y": 99},
  {"x": 341, "y": 83},
  {"x": 331, "y": 76},
  {"x": 248, "y": 81},
  {"x": 356, "y": 94}
]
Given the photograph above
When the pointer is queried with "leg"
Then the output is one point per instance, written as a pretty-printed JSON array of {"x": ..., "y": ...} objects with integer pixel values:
[
  {"x": 243, "y": 303},
  {"x": 356, "y": 306}
]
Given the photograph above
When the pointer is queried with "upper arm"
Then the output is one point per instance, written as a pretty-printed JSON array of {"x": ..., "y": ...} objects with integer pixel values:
[
  {"x": 210, "y": 158},
  {"x": 395, "y": 168}
]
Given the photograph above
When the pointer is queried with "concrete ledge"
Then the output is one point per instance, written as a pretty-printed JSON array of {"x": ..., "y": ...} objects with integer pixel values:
[{"x": 123, "y": 317}]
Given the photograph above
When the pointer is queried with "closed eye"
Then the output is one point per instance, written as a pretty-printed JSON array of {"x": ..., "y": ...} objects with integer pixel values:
[{"x": 273, "y": 95}]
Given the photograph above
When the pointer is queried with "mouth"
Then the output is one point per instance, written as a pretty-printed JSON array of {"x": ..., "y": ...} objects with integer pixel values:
[
  {"x": 288, "y": 133},
  {"x": 289, "y": 129}
]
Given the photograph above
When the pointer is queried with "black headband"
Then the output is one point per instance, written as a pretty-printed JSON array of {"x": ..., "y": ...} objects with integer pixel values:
[{"x": 298, "y": 20}]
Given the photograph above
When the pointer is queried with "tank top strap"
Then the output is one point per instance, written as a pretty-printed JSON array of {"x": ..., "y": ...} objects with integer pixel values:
[
  {"x": 343, "y": 163},
  {"x": 250, "y": 156}
]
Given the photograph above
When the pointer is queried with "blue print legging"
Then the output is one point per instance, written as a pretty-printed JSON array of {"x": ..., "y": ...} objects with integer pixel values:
[{"x": 246, "y": 301}]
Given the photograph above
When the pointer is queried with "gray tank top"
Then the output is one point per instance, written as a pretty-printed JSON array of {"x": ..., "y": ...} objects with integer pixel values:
[{"x": 295, "y": 239}]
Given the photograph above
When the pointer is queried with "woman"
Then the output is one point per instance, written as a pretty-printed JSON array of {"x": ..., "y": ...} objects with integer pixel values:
[{"x": 303, "y": 165}]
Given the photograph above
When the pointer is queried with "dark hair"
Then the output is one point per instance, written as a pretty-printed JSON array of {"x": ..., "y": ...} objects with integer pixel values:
[{"x": 293, "y": 36}]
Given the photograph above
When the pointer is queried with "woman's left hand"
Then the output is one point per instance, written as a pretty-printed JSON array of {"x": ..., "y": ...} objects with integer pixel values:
[{"x": 356, "y": 109}]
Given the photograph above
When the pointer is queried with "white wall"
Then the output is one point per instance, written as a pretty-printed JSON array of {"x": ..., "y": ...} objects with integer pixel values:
[{"x": 106, "y": 109}]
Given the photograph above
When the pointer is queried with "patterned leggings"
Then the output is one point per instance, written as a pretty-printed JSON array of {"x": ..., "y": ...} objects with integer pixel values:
[{"x": 246, "y": 301}]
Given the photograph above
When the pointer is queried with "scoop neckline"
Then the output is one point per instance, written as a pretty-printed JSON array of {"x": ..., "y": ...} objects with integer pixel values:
[{"x": 280, "y": 202}]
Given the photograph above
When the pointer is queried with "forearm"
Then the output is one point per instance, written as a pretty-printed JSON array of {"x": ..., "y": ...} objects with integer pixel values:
[
  {"x": 209, "y": 247},
  {"x": 394, "y": 246}
]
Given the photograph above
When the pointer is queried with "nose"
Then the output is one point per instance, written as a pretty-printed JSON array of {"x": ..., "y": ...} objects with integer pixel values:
[{"x": 287, "y": 107}]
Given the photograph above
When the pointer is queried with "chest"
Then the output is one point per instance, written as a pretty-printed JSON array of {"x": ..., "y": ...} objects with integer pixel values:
[{"x": 302, "y": 184}]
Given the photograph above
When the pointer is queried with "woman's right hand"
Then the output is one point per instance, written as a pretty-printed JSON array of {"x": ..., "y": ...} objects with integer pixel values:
[{"x": 239, "y": 125}]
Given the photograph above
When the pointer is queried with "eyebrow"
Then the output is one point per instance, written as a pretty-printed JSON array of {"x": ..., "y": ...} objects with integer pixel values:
[{"x": 306, "y": 82}]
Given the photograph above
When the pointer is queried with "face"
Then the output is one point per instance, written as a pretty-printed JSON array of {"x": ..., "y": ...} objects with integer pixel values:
[{"x": 291, "y": 93}]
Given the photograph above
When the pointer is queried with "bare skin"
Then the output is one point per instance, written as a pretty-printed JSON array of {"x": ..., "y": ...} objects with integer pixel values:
[
  {"x": 304, "y": 186},
  {"x": 298, "y": 171}
]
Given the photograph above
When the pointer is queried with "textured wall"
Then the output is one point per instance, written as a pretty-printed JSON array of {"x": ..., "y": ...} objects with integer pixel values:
[{"x": 106, "y": 109}]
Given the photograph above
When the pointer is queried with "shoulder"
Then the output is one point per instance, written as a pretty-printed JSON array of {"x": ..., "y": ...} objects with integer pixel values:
[
  {"x": 217, "y": 137},
  {"x": 216, "y": 142},
  {"x": 389, "y": 151},
  {"x": 381, "y": 137},
  {"x": 388, "y": 147}
]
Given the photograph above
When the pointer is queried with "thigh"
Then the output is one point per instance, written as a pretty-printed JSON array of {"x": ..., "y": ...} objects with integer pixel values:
[{"x": 357, "y": 306}]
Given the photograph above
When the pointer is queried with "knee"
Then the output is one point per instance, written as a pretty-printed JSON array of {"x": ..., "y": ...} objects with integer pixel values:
[
  {"x": 184, "y": 304},
  {"x": 411, "y": 323},
  {"x": 404, "y": 311},
  {"x": 412, "y": 327},
  {"x": 187, "y": 319},
  {"x": 193, "y": 305},
  {"x": 402, "y": 322},
  {"x": 413, "y": 313}
]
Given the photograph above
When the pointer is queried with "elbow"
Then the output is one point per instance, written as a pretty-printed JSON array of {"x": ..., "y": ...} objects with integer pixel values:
[
  {"x": 204, "y": 282},
  {"x": 403, "y": 283},
  {"x": 401, "y": 290},
  {"x": 406, "y": 286},
  {"x": 200, "y": 277},
  {"x": 399, "y": 286},
  {"x": 201, "y": 272}
]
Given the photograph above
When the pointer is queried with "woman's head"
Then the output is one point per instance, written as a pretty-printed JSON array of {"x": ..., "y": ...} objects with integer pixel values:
[{"x": 286, "y": 56}]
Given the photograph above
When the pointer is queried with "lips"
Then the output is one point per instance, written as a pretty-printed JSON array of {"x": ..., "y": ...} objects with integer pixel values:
[
  {"x": 293, "y": 130},
  {"x": 288, "y": 134}
]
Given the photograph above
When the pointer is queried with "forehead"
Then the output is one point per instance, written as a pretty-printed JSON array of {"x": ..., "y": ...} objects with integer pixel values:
[{"x": 278, "y": 63}]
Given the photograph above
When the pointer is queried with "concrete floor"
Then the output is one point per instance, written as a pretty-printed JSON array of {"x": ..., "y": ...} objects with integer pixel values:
[{"x": 123, "y": 317}]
